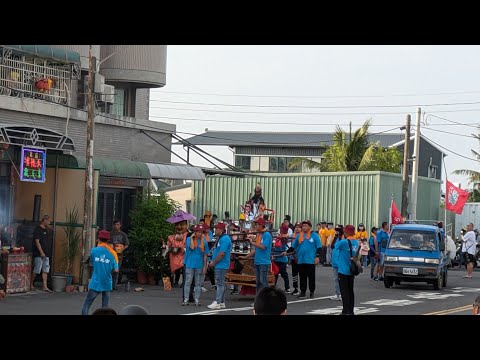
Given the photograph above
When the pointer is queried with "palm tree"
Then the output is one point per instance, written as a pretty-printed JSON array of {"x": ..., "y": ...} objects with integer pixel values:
[
  {"x": 354, "y": 154},
  {"x": 473, "y": 176}
]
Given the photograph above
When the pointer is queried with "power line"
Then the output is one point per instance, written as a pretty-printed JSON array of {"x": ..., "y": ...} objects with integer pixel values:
[
  {"x": 448, "y": 132},
  {"x": 451, "y": 151},
  {"x": 293, "y": 123},
  {"x": 451, "y": 121},
  {"x": 317, "y": 107},
  {"x": 314, "y": 97}
]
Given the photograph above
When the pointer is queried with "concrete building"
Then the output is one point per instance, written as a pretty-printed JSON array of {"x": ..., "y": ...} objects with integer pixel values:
[{"x": 43, "y": 105}]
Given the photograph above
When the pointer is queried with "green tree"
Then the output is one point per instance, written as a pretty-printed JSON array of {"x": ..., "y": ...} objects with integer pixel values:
[
  {"x": 150, "y": 231},
  {"x": 474, "y": 196},
  {"x": 353, "y": 152}
]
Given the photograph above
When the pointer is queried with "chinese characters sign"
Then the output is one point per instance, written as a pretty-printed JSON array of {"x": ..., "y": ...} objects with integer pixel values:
[{"x": 33, "y": 165}]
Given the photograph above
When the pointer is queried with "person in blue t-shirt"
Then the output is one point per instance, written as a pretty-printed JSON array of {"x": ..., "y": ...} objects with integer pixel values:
[
  {"x": 280, "y": 256},
  {"x": 308, "y": 248},
  {"x": 221, "y": 263},
  {"x": 382, "y": 240},
  {"x": 195, "y": 263},
  {"x": 104, "y": 263},
  {"x": 334, "y": 257},
  {"x": 347, "y": 248},
  {"x": 373, "y": 253},
  {"x": 262, "y": 250}
]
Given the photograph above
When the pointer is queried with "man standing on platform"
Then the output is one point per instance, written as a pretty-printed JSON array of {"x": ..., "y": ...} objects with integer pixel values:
[{"x": 120, "y": 243}]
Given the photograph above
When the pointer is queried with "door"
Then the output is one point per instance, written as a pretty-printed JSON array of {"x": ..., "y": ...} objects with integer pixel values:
[{"x": 113, "y": 204}]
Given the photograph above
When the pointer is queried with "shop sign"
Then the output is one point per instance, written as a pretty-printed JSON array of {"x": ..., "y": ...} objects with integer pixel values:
[{"x": 33, "y": 165}]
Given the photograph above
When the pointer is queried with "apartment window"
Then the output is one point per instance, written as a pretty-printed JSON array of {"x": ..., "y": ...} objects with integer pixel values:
[
  {"x": 432, "y": 171},
  {"x": 273, "y": 164},
  {"x": 118, "y": 107},
  {"x": 242, "y": 162}
]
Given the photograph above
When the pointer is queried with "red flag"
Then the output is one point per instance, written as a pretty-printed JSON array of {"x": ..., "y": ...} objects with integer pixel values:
[
  {"x": 455, "y": 198},
  {"x": 396, "y": 216}
]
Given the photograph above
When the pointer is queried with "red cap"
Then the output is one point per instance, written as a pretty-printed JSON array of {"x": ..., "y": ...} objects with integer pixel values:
[
  {"x": 221, "y": 226},
  {"x": 349, "y": 230},
  {"x": 261, "y": 221},
  {"x": 199, "y": 227},
  {"x": 104, "y": 235}
]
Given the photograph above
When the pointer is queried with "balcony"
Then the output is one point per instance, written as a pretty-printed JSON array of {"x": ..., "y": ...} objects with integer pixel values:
[{"x": 30, "y": 76}]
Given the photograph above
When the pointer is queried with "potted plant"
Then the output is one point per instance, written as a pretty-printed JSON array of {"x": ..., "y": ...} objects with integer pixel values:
[
  {"x": 72, "y": 244},
  {"x": 149, "y": 228}
]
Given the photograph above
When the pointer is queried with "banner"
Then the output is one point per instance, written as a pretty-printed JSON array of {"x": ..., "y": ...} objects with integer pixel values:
[{"x": 455, "y": 198}]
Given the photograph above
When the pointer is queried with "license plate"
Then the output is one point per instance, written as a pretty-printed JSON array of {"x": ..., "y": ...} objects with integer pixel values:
[{"x": 410, "y": 271}]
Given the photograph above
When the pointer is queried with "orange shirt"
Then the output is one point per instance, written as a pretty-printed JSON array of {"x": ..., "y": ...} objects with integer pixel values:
[{"x": 324, "y": 234}]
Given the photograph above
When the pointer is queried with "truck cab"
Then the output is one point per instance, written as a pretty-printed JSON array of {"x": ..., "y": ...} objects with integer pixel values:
[{"x": 415, "y": 253}]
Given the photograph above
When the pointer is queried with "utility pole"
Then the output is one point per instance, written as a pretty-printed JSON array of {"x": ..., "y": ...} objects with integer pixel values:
[
  {"x": 415, "y": 165},
  {"x": 406, "y": 153},
  {"x": 87, "y": 208}
]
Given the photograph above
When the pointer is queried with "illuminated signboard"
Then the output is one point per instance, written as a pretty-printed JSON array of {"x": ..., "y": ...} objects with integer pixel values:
[{"x": 33, "y": 165}]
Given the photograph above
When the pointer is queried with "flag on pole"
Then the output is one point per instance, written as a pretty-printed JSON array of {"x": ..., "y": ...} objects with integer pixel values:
[
  {"x": 396, "y": 216},
  {"x": 455, "y": 198}
]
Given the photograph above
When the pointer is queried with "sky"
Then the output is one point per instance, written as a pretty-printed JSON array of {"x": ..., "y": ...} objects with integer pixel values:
[{"x": 314, "y": 88}]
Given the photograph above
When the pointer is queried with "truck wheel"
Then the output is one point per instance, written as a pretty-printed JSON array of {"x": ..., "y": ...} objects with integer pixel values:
[
  {"x": 387, "y": 282},
  {"x": 445, "y": 279},
  {"x": 437, "y": 285}
]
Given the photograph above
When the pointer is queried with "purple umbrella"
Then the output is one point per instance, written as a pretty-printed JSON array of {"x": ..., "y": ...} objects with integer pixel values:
[{"x": 179, "y": 216}]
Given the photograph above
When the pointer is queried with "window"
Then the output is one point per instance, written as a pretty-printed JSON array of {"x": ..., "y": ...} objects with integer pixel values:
[
  {"x": 242, "y": 162},
  {"x": 118, "y": 108},
  {"x": 295, "y": 169},
  {"x": 282, "y": 165},
  {"x": 432, "y": 171},
  {"x": 273, "y": 164}
]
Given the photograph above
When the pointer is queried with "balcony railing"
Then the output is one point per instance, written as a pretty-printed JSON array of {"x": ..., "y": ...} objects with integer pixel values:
[{"x": 36, "y": 78}]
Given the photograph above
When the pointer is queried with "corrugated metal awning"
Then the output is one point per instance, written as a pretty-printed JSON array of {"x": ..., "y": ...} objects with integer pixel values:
[
  {"x": 175, "y": 171},
  {"x": 47, "y": 51}
]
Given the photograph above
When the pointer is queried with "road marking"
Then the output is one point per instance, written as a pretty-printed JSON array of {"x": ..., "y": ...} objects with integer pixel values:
[
  {"x": 433, "y": 296},
  {"x": 251, "y": 308},
  {"x": 337, "y": 310},
  {"x": 391, "y": 302},
  {"x": 450, "y": 311},
  {"x": 464, "y": 289}
]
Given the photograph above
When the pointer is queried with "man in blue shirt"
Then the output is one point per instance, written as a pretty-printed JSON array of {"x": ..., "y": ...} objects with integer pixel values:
[
  {"x": 345, "y": 277},
  {"x": 221, "y": 263},
  {"x": 382, "y": 239},
  {"x": 195, "y": 263},
  {"x": 103, "y": 264},
  {"x": 262, "y": 249},
  {"x": 308, "y": 247}
]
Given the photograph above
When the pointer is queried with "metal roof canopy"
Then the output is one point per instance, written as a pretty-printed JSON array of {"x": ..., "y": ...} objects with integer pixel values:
[
  {"x": 47, "y": 51},
  {"x": 283, "y": 139},
  {"x": 175, "y": 171},
  {"x": 24, "y": 135}
]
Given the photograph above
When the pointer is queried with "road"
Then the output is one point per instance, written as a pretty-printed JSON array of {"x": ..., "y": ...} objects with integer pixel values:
[{"x": 370, "y": 298}]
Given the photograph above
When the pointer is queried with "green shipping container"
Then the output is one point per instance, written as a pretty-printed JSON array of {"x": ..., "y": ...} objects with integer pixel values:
[{"x": 345, "y": 198}]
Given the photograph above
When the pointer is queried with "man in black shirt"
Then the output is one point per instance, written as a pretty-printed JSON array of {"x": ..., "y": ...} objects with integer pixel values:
[
  {"x": 41, "y": 252},
  {"x": 120, "y": 243}
]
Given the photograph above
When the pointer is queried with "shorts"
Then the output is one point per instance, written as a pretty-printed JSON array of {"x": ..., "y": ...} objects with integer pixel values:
[
  {"x": 469, "y": 258},
  {"x": 381, "y": 259},
  {"x": 41, "y": 265}
]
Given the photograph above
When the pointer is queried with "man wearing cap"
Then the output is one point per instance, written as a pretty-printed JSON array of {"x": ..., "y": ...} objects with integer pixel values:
[
  {"x": 308, "y": 247},
  {"x": 280, "y": 256},
  {"x": 221, "y": 263},
  {"x": 346, "y": 249},
  {"x": 195, "y": 263},
  {"x": 104, "y": 262},
  {"x": 261, "y": 251}
]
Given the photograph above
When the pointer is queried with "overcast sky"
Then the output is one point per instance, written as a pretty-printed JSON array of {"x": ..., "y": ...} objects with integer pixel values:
[{"x": 303, "y": 79}]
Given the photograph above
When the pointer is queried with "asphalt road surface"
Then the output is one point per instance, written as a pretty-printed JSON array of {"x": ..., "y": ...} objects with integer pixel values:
[{"x": 371, "y": 298}]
